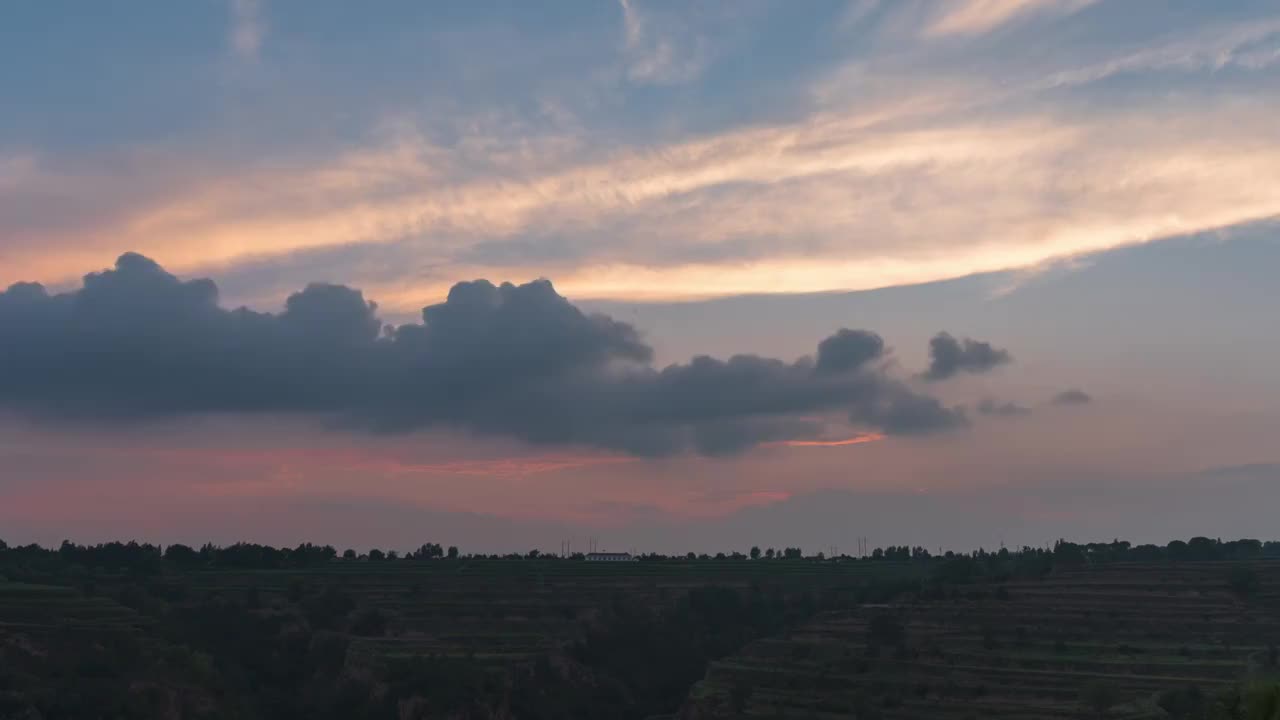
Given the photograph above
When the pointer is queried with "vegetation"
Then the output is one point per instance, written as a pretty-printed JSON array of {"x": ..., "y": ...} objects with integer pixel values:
[
  {"x": 1116, "y": 640},
  {"x": 129, "y": 630}
]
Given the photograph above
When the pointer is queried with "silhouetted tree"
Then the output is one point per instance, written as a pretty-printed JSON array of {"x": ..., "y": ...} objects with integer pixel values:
[
  {"x": 182, "y": 556},
  {"x": 429, "y": 551}
]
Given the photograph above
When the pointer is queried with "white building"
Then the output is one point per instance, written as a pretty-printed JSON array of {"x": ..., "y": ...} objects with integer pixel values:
[{"x": 610, "y": 557}]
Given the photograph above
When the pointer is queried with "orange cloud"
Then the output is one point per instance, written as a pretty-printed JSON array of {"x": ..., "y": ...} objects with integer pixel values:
[
  {"x": 974, "y": 17},
  {"x": 1084, "y": 184},
  {"x": 855, "y": 440}
]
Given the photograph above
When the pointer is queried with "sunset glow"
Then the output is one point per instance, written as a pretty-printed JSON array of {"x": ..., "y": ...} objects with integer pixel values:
[
  {"x": 653, "y": 269},
  {"x": 855, "y": 440}
]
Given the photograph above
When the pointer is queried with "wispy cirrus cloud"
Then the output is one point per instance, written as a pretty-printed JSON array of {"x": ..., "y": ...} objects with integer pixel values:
[
  {"x": 1073, "y": 396},
  {"x": 989, "y": 406},
  {"x": 836, "y": 205},
  {"x": 972, "y": 17},
  {"x": 659, "y": 53},
  {"x": 293, "y": 463},
  {"x": 908, "y": 165},
  {"x": 248, "y": 29},
  {"x": 1249, "y": 46},
  {"x": 17, "y": 169},
  {"x": 855, "y": 440}
]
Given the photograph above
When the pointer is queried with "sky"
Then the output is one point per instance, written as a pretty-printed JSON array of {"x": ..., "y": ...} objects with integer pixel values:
[{"x": 673, "y": 275}]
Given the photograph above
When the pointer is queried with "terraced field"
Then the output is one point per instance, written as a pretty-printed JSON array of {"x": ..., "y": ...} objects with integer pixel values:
[
  {"x": 65, "y": 654},
  {"x": 501, "y": 611},
  {"x": 1101, "y": 642},
  {"x": 43, "y": 609}
]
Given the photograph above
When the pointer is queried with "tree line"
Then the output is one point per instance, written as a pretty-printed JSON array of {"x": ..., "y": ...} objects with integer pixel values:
[{"x": 150, "y": 558}]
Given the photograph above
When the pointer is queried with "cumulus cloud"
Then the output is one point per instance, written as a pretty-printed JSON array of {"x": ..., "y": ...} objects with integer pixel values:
[
  {"x": 849, "y": 350},
  {"x": 950, "y": 356},
  {"x": 521, "y": 361},
  {"x": 1002, "y": 409},
  {"x": 1073, "y": 396}
]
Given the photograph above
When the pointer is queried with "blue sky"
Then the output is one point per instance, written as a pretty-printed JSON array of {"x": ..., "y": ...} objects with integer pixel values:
[
  {"x": 657, "y": 150},
  {"x": 1092, "y": 184}
]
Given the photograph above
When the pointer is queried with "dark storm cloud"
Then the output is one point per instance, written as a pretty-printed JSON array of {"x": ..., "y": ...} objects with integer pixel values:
[
  {"x": 999, "y": 409},
  {"x": 137, "y": 343},
  {"x": 949, "y": 356},
  {"x": 1072, "y": 397}
]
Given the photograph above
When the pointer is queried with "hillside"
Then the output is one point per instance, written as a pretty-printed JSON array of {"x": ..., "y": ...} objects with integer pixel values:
[
  {"x": 1115, "y": 640},
  {"x": 67, "y": 655},
  {"x": 258, "y": 633}
]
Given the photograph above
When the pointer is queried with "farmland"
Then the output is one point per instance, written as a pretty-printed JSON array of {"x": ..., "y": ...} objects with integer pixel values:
[
  {"x": 69, "y": 654},
  {"x": 1076, "y": 644},
  {"x": 44, "y": 610},
  {"x": 497, "y": 610},
  {"x": 257, "y": 633},
  {"x": 611, "y": 638}
]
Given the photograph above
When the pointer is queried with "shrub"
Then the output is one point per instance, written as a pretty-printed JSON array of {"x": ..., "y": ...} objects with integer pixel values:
[
  {"x": 1262, "y": 701},
  {"x": 1100, "y": 697},
  {"x": 369, "y": 622},
  {"x": 884, "y": 630},
  {"x": 1187, "y": 702},
  {"x": 1243, "y": 581}
]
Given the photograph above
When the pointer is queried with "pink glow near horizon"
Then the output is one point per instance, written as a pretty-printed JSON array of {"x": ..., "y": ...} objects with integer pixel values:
[
  {"x": 559, "y": 486},
  {"x": 855, "y": 440}
]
